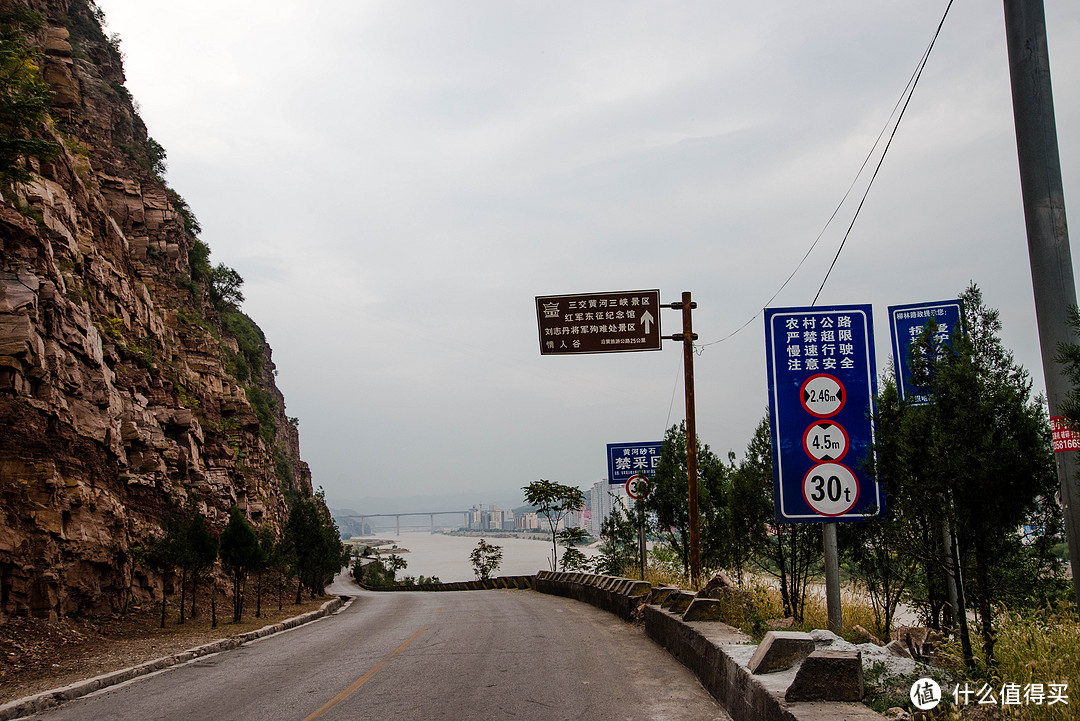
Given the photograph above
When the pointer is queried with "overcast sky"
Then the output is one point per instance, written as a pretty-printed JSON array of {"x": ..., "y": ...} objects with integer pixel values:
[{"x": 396, "y": 181}]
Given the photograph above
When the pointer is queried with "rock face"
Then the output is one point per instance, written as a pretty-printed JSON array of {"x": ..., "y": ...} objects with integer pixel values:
[{"x": 124, "y": 391}]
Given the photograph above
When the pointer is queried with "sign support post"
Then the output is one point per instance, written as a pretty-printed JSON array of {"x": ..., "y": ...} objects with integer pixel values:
[
  {"x": 638, "y": 488},
  {"x": 832, "y": 579}
]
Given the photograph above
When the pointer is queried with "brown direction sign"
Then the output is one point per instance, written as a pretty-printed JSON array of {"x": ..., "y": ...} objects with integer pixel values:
[{"x": 613, "y": 322}]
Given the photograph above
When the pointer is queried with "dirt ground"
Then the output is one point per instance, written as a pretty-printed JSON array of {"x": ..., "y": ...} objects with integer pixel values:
[{"x": 37, "y": 655}]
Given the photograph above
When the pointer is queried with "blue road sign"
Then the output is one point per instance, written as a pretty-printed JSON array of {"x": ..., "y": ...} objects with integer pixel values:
[
  {"x": 626, "y": 460},
  {"x": 822, "y": 384},
  {"x": 906, "y": 322}
]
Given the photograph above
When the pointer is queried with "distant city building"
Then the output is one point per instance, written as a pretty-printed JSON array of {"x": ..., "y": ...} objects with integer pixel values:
[
  {"x": 527, "y": 522},
  {"x": 490, "y": 518},
  {"x": 577, "y": 519},
  {"x": 603, "y": 497}
]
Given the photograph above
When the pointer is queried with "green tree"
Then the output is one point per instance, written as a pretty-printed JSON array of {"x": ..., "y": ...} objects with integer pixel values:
[
  {"x": 618, "y": 543},
  {"x": 879, "y": 552},
  {"x": 553, "y": 501},
  {"x": 746, "y": 526},
  {"x": 486, "y": 559},
  {"x": 239, "y": 552},
  {"x": 572, "y": 558},
  {"x": 24, "y": 96},
  {"x": 267, "y": 545},
  {"x": 315, "y": 544},
  {"x": 164, "y": 554},
  {"x": 668, "y": 500},
  {"x": 225, "y": 285},
  {"x": 787, "y": 551},
  {"x": 393, "y": 564},
  {"x": 203, "y": 553},
  {"x": 980, "y": 453}
]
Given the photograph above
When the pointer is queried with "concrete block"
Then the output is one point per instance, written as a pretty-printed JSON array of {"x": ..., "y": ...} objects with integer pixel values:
[
  {"x": 703, "y": 609},
  {"x": 780, "y": 650},
  {"x": 639, "y": 588},
  {"x": 828, "y": 676},
  {"x": 660, "y": 595},
  {"x": 679, "y": 601}
]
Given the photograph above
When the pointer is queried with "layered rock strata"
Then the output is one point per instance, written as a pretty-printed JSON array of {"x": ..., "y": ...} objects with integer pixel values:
[{"x": 123, "y": 393}]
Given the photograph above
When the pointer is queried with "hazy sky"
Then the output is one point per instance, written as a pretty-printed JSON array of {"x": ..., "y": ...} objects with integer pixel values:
[{"x": 396, "y": 181}]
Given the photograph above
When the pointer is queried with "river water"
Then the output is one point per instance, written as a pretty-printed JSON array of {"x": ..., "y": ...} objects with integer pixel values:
[{"x": 436, "y": 554}]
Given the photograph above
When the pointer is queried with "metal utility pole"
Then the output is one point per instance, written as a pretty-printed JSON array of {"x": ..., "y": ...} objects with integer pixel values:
[{"x": 1048, "y": 234}]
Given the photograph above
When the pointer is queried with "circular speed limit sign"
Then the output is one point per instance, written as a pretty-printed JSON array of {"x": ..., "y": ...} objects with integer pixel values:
[
  {"x": 822, "y": 395},
  {"x": 830, "y": 489},
  {"x": 637, "y": 487}
]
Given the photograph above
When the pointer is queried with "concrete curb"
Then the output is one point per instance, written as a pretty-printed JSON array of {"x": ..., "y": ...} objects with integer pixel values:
[
  {"x": 491, "y": 584},
  {"x": 50, "y": 699}
]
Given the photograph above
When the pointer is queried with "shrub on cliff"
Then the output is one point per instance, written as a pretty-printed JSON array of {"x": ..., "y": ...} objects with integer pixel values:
[{"x": 24, "y": 96}]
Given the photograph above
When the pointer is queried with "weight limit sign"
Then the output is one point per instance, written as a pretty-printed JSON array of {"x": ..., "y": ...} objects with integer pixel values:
[{"x": 831, "y": 489}]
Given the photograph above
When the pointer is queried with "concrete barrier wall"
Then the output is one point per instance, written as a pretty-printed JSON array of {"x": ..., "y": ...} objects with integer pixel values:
[
  {"x": 719, "y": 654},
  {"x": 715, "y": 652},
  {"x": 624, "y": 597}
]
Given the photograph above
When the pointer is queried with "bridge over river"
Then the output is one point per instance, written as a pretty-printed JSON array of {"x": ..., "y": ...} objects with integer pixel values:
[{"x": 397, "y": 517}]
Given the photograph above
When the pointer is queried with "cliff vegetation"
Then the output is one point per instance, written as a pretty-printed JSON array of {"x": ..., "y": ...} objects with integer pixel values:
[{"x": 131, "y": 384}]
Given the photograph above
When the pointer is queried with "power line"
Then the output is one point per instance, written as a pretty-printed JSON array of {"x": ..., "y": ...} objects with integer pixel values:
[
  {"x": 904, "y": 100},
  {"x": 912, "y": 84}
]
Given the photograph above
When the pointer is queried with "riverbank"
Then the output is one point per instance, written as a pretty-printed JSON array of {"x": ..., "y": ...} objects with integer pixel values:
[{"x": 446, "y": 555}]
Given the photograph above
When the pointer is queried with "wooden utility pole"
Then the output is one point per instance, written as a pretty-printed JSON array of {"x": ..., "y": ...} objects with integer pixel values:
[
  {"x": 1048, "y": 234},
  {"x": 688, "y": 338}
]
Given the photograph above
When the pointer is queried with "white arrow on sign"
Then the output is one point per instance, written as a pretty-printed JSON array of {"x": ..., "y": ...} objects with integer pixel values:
[{"x": 647, "y": 320}]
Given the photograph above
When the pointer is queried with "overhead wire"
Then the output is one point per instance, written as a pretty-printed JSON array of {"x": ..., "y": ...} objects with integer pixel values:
[
  {"x": 901, "y": 103},
  {"x": 912, "y": 85}
]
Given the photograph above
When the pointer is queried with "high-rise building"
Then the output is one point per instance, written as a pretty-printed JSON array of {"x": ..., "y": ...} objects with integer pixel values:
[{"x": 603, "y": 497}]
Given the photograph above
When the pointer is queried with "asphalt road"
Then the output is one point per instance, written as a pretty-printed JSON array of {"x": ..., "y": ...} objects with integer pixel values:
[{"x": 461, "y": 655}]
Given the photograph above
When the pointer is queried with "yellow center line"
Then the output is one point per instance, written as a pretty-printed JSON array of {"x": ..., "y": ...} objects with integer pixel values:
[{"x": 355, "y": 685}]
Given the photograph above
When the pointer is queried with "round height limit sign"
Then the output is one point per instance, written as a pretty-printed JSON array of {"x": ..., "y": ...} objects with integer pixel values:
[{"x": 829, "y": 488}]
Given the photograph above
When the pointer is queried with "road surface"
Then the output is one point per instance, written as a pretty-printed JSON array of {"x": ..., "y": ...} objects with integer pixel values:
[{"x": 457, "y": 655}]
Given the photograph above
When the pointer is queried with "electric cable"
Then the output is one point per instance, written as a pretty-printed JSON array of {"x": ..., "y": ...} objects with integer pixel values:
[{"x": 904, "y": 100}]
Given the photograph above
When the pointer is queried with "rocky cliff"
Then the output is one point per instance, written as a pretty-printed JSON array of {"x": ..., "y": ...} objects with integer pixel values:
[{"x": 130, "y": 384}]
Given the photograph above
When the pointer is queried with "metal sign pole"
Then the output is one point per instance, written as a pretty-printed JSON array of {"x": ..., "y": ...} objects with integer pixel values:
[
  {"x": 641, "y": 535},
  {"x": 832, "y": 579}
]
